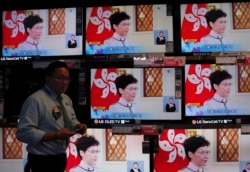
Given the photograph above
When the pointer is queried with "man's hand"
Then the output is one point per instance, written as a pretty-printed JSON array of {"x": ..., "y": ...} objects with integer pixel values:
[
  {"x": 64, "y": 133},
  {"x": 81, "y": 128}
]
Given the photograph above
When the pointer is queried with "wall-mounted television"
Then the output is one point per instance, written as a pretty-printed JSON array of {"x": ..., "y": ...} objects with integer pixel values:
[
  {"x": 128, "y": 29},
  {"x": 213, "y": 27},
  {"x": 155, "y": 98},
  {"x": 213, "y": 90},
  {"x": 42, "y": 32}
]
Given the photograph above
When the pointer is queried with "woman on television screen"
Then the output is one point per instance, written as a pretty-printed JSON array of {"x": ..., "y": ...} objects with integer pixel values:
[
  {"x": 222, "y": 85},
  {"x": 197, "y": 152},
  {"x": 126, "y": 85},
  {"x": 216, "y": 20},
  {"x": 87, "y": 148},
  {"x": 119, "y": 22},
  {"x": 33, "y": 28}
]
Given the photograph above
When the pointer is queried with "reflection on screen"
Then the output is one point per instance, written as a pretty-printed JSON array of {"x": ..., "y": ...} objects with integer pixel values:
[
  {"x": 117, "y": 30},
  {"x": 42, "y": 32}
]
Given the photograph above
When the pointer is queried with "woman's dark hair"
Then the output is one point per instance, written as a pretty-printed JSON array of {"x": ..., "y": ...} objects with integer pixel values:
[
  {"x": 84, "y": 142},
  {"x": 213, "y": 15},
  {"x": 217, "y": 76},
  {"x": 123, "y": 80},
  {"x": 117, "y": 17},
  {"x": 136, "y": 163},
  {"x": 193, "y": 143},
  {"x": 54, "y": 65},
  {"x": 31, "y": 20}
]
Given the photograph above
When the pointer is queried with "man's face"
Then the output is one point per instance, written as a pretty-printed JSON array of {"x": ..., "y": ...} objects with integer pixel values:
[{"x": 59, "y": 81}]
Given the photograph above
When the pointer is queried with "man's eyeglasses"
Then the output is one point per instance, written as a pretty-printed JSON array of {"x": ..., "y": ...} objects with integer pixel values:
[{"x": 61, "y": 79}]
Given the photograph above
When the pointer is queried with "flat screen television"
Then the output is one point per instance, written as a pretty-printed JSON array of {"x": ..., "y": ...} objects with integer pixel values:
[
  {"x": 49, "y": 33},
  {"x": 144, "y": 102},
  {"x": 210, "y": 93},
  {"x": 134, "y": 35},
  {"x": 226, "y": 34}
]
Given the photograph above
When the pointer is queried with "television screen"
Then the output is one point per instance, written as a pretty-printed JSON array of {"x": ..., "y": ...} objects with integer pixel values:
[
  {"x": 214, "y": 27},
  {"x": 42, "y": 32},
  {"x": 216, "y": 90},
  {"x": 144, "y": 94},
  {"x": 129, "y": 29}
]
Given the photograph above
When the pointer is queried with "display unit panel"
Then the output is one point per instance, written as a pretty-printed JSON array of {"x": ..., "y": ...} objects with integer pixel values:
[
  {"x": 222, "y": 36},
  {"x": 49, "y": 34},
  {"x": 148, "y": 99},
  {"x": 225, "y": 100},
  {"x": 131, "y": 35}
]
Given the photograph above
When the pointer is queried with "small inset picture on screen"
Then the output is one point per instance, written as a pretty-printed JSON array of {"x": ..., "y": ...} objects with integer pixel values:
[
  {"x": 72, "y": 41},
  {"x": 170, "y": 104},
  {"x": 135, "y": 166},
  {"x": 244, "y": 166},
  {"x": 160, "y": 37}
]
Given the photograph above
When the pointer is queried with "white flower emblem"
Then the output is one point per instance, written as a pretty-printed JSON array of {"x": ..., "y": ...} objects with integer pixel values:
[
  {"x": 15, "y": 23},
  {"x": 200, "y": 78},
  {"x": 71, "y": 150},
  {"x": 173, "y": 145},
  {"x": 197, "y": 17},
  {"x": 106, "y": 82},
  {"x": 101, "y": 20}
]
